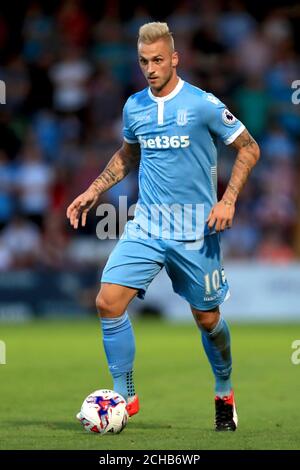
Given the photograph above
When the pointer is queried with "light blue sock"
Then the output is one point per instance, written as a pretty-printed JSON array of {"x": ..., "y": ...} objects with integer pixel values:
[
  {"x": 217, "y": 347},
  {"x": 119, "y": 346}
]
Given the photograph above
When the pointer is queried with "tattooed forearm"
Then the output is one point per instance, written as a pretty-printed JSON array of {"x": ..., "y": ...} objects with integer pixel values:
[
  {"x": 111, "y": 174},
  {"x": 246, "y": 165},
  {"x": 247, "y": 157},
  {"x": 106, "y": 180},
  {"x": 117, "y": 168},
  {"x": 233, "y": 189}
]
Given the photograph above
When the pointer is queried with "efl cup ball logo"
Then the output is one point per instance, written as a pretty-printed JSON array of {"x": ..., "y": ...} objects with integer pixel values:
[{"x": 103, "y": 411}]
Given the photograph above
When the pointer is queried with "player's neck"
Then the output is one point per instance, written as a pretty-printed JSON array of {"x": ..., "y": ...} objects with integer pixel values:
[{"x": 168, "y": 88}]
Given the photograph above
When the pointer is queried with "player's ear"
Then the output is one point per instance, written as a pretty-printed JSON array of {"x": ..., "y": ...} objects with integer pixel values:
[{"x": 175, "y": 59}]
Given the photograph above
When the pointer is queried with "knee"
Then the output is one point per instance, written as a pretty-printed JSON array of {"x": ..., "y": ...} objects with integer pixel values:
[
  {"x": 208, "y": 323},
  {"x": 106, "y": 307},
  {"x": 207, "y": 320}
]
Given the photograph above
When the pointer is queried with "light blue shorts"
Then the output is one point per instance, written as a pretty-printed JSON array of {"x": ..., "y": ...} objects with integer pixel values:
[{"x": 197, "y": 274}]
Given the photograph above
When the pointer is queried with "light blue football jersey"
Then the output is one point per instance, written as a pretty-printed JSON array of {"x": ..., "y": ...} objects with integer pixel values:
[{"x": 178, "y": 167}]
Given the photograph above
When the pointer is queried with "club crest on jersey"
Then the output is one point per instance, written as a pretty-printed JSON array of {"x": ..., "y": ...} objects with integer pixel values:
[
  {"x": 228, "y": 118},
  {"x": 182, "y": 117}
]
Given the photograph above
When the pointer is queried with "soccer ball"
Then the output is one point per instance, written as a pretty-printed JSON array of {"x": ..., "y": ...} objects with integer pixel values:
[{"x": 103, "y": 411}]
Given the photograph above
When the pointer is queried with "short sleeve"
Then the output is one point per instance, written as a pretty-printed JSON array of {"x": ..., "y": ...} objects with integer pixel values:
[
  {"x": 221, "y": 121},
  {"x": 128, "y": 134}
]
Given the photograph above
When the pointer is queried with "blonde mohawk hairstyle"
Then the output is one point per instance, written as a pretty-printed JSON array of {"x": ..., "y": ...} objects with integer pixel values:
[{"x": 151, "y": 32}]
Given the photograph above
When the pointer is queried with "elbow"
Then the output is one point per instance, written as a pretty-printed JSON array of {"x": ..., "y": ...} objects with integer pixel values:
[{"x": 256, "y": 153}]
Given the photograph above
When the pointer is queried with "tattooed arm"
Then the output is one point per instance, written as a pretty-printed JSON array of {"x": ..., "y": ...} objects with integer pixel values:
[
  {"x": 222, "y": 213},
  {"x": 122, "y": 162}
]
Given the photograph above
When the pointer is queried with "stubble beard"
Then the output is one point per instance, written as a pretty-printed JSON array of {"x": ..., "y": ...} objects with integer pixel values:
[{"x": 162, "y": 86}]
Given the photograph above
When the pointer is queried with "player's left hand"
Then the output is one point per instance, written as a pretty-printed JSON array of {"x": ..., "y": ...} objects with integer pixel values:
[{"x": 221, "y": 216}]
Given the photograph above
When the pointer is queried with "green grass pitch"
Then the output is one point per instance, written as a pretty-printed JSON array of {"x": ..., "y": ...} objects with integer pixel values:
[{"x": 51, "y": 367}]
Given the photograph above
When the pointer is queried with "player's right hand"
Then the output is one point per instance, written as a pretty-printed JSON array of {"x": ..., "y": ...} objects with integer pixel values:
[{"x": 80, "y": 207}]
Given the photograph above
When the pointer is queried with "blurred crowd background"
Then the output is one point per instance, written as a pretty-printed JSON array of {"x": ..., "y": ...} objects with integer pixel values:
[{"x": 69, "y": 67}]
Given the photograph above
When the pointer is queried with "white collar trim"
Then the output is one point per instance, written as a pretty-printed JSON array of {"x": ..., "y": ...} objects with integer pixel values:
[{"x": 170, "y": 95}]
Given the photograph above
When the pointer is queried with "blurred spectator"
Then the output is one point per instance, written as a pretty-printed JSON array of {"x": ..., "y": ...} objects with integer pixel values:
[
  {"x": 70, "y": 155},
  {"x": 112, "y": 52},
  {"x": 274, "y": 208},
  {"x": 41, "y": 91},
  {"x": 54, "y": 241},
  {"x": 22, "y": 241},
  {"x": 90, "y": 167},
  {"x": 37, "y": 32},
  {"x": 73, "y": 23},
  {"x": 105, "y": 98},
  {"x": 70, "y": 128},
  {"x": 70, "y": 77},
  {"x": 243, "y": 240},
  {"x": 46, "y": 128},
  {"x": 9, "y": 141},
  {"x": 7, "y": 203},
  {"x": 6, "y": 259},
  {"x": 253, "y": 105},
  {"x": 34, "y": 179},
  {"x": 277, "y": 27},
  {"x": 277, "y": 144},
  {"x": 254, "y": 55},
  {"x": 284, "y": 70},
  {"x": 235, "y": 25},
  {"x": 275, "y": 249},
  {"x": 140, "y": 16},
  {"x": 183, "y": 21},
  {"x": 16, "y": 78},
  {"x": 59, "y": 192}
]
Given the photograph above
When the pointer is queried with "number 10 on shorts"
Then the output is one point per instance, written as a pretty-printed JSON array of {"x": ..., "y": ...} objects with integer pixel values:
[{"x": 212, "y": 281}]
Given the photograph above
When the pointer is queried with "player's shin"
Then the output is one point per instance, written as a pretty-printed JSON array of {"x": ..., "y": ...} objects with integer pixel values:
[
  {"x": 217, "y": 347},
  {"x": 119, "y": 346}
]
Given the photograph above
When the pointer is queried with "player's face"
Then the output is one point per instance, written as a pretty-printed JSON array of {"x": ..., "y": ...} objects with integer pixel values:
[{"x": 158, "y": 63}]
